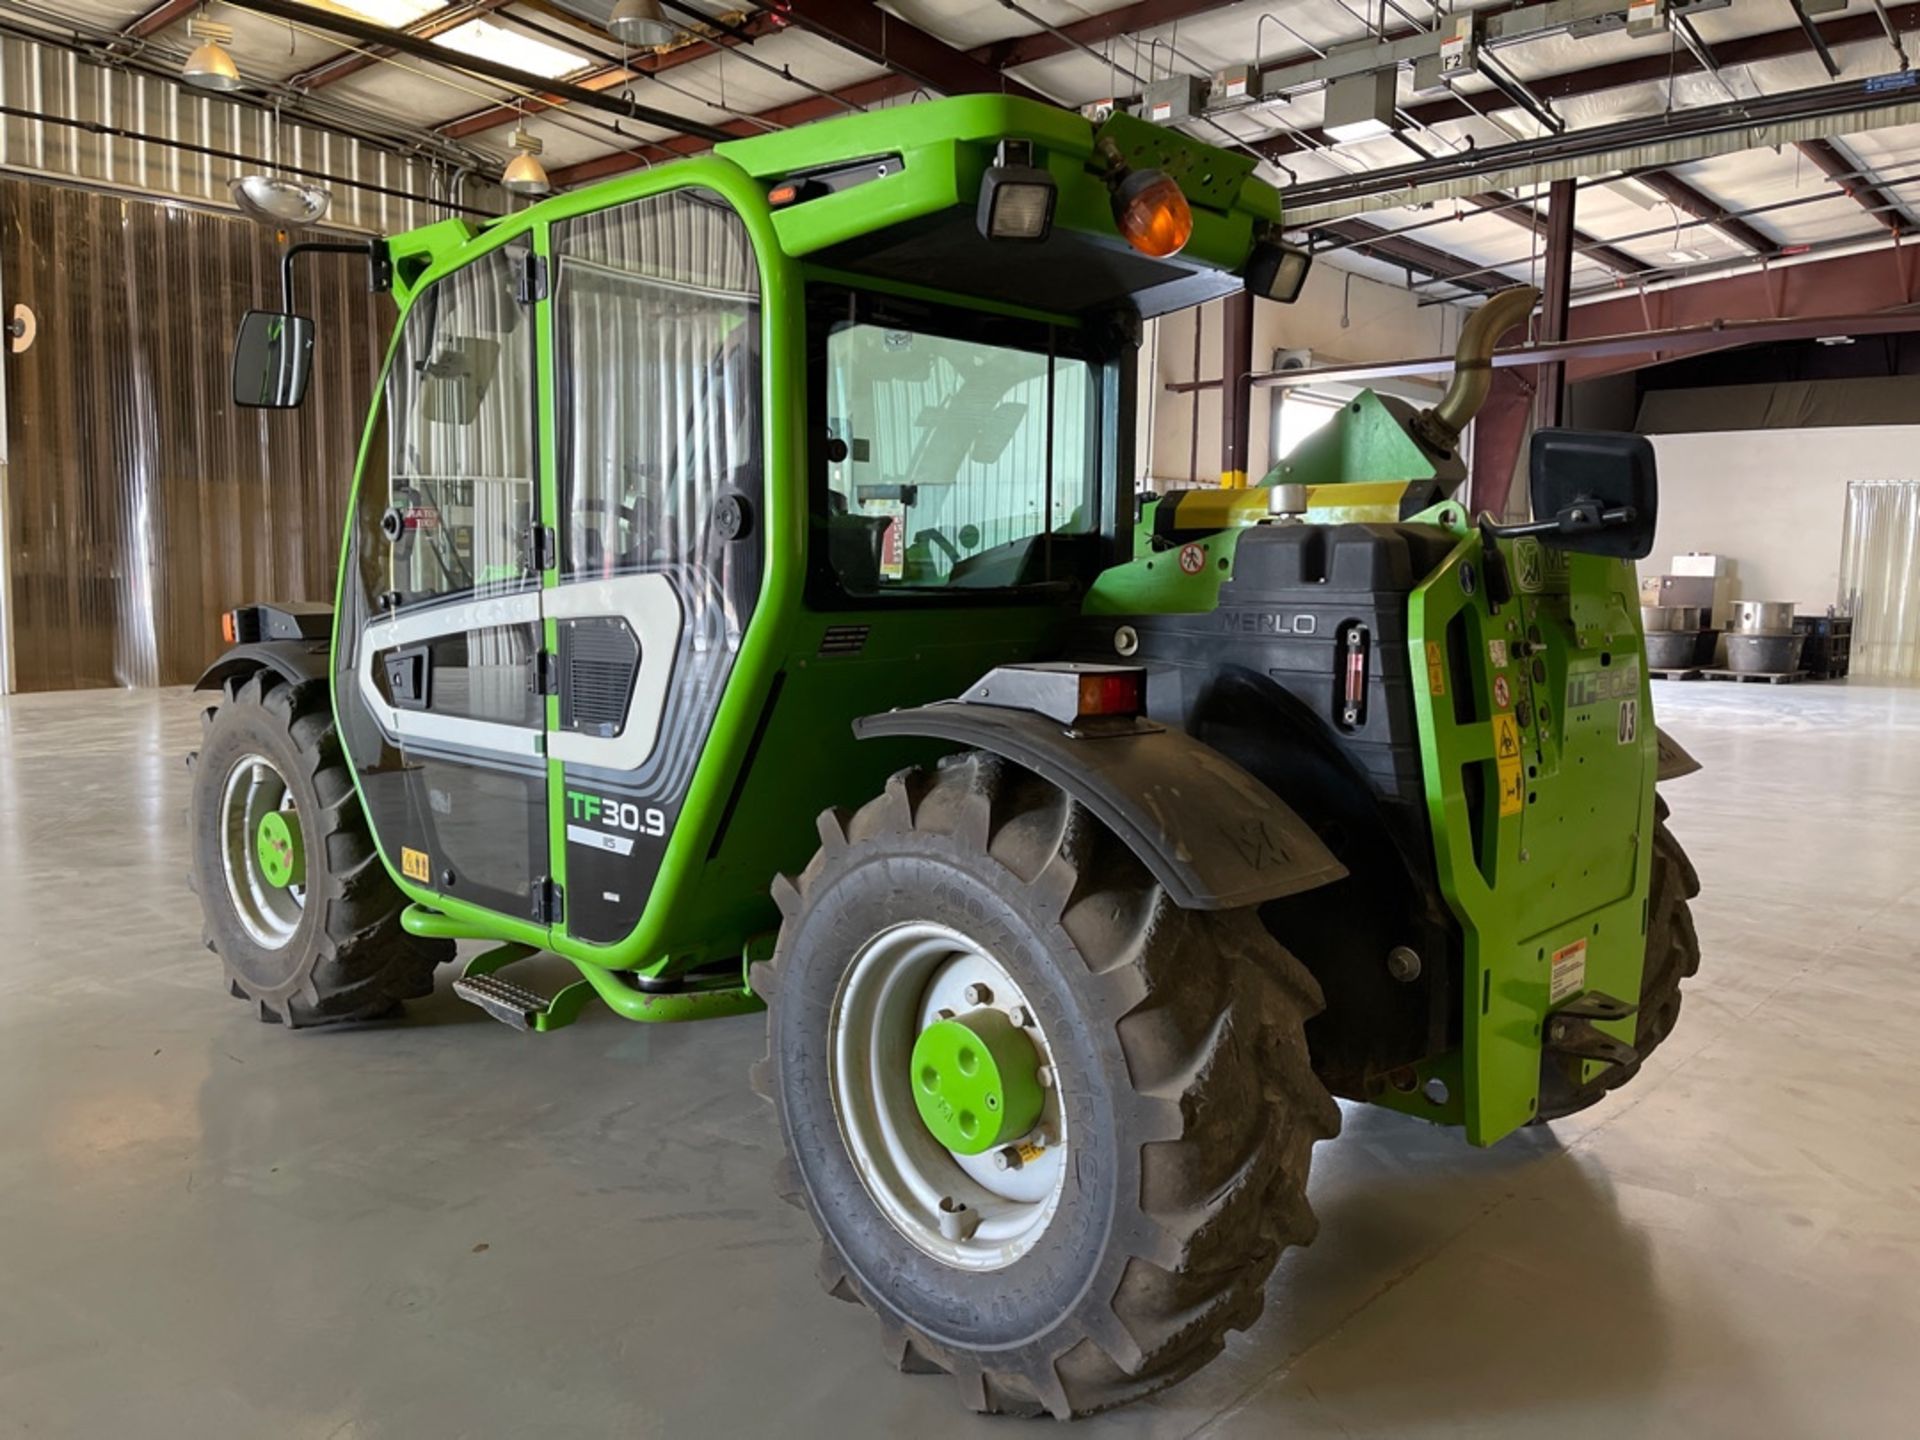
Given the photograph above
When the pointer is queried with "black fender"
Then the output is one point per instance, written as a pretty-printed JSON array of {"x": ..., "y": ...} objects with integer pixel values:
[
  {"x": 293, "y": 660},
  {"x": 1213, "y": 836},
  {"x": 1674, "y": 759}
]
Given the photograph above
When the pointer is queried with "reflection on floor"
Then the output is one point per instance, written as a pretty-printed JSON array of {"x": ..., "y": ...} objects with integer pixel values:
[{"x": 210, "y": 1227}]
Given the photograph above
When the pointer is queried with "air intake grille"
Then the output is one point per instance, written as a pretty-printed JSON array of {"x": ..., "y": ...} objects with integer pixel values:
[
  {"x": 843, "y": 640},
  {"x": 598, "y": 662}
]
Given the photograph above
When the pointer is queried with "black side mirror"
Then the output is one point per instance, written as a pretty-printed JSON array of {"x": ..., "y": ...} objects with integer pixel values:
[
  {"x": 1593, "y": 491},
  {"x": 271, "y": 359}
]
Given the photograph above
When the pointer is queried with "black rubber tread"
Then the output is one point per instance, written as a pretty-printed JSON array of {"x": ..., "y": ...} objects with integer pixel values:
[
  {"x": 1199, "y": 1018},
  {"x": 1673, "y": 956},
  {"x": 349, "y": 959}
]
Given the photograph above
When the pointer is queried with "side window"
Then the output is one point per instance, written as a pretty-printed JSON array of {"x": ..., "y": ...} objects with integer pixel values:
[
  {"x": 658, "y": 315},
  {"x": 460, "y": 462}
]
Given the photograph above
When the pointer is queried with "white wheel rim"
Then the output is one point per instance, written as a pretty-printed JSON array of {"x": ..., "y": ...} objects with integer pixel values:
[
  {"x": 269, "y": 913},
  {"x": 963, "y": 1210}
]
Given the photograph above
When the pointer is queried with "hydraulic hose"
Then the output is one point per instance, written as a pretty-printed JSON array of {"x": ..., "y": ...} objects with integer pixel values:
[{"x": 1440, "y": 427}]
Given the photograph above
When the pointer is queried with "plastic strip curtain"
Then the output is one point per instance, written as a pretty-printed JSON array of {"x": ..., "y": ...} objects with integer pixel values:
[{"x": 1880, "y": 577}]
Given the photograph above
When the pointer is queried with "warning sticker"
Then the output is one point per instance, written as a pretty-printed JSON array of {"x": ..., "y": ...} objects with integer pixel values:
[
  {"x": 1192, "y": 559},
  {"x": 1506, "y": 738},
  {"x": 1513, "y": 790},
  {"x": 415, "y": 865},
  {"x": 1502, "y": 692},
  {"x": 1569, "y": 976},
  {"x": 1436, "y": 672},
  {"x": 1497, "y": 654}
]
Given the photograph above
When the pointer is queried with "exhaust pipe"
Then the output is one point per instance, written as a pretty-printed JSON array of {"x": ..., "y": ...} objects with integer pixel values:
[{"x": 1439, "y": 428}]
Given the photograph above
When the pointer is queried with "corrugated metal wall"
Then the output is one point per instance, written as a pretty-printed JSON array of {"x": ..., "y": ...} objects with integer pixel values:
[
  {"x": 141, "y": 501},
  {"x": 56, "y": 82}
]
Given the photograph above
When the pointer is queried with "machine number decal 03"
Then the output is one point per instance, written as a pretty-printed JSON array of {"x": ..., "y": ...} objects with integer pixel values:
[
  {"x": 1569, "y": 975},
  {"x": 1628, "y": 727}
]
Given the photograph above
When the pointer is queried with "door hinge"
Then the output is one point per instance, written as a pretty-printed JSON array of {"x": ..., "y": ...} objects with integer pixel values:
[
  {"x": 533, "y": 278},
  {"x": 546, "y": 548},
  {"x": 546, "y": 678},
  {"x": 549, "y": 901}
]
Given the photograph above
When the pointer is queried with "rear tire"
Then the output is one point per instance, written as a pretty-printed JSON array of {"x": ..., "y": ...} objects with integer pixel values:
[
  {"x": 1673, "y": 955},
  {"x": 328, "y": 947},
  {"x": 1188, "y": 1104}
]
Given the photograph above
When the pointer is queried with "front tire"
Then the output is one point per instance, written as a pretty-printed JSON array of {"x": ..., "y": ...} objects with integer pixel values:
[
  {"x": 308, "y": 932},
  {"x": 1186, "y": 1106},
  {"x": 1673, "y": 955}
]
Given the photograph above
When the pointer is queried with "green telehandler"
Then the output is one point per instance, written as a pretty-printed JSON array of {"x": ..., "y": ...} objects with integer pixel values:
[{"x": 744, "y": 595}]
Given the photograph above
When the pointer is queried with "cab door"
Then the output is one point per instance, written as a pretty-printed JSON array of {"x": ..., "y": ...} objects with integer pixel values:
[
  {"x": 658, "y": 439},
  {"x": 438, "y": 689}
]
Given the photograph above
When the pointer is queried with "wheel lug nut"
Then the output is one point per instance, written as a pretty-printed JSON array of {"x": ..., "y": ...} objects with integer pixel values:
[
  {"x": 1007, "y": 1159},
  {"x": 1045, "y": 1076},
  {"x": 1021, "y": 1016},
  {"x": 977, "y": 994},
  {"x": 945, "y": 1014}
]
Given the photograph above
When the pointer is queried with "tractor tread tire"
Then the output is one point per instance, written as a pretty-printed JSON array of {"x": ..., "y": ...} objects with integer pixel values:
[
  {"x": 349, "y": 959},
  {"x": 1216, "y": 1109},
  {"x": 1673, "y": 956}
]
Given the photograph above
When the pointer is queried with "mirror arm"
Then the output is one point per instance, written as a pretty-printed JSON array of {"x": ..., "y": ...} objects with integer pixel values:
[
  {"x": 379, "y": 263},
  {"x": 1574, "y": 520}
]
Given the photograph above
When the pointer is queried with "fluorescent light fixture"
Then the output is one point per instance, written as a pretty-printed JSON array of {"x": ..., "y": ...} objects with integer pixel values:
[
  {"x": 485, "y": 40},
  {"x": 394, "y": 14}
]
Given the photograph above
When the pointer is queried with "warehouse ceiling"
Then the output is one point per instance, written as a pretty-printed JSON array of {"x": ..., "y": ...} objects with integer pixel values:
[{"x": 1707, "y": 135}]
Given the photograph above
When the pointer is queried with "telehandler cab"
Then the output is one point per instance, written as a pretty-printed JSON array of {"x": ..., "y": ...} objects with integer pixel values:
[{"x": 744, "y": 595}]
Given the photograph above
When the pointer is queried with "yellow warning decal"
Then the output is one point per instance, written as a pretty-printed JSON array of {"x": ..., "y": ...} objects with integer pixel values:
[
  {"x": 1506, "y": 738},
  {"x": 415, "y": 865},
  {"x": 1436, "y": 672},
  {"x": 1513, "y": 793}
]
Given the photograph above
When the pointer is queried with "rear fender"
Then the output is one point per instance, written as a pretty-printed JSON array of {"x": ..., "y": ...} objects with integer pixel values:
[{"x": 1211, "y": 834}]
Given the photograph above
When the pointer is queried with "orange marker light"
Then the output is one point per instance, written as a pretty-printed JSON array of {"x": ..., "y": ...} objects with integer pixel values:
[
  {"x": 227, "y": 632},
  {"x": 782, "y": 194},
  {"x": 1152, "y": 213},
  {"x": 1124, "y": 693}
]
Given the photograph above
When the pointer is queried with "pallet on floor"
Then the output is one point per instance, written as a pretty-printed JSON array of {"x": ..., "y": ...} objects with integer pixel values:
[
  {"x": 1770, "y": 677},
  {"x": 1690, "y": 672}
]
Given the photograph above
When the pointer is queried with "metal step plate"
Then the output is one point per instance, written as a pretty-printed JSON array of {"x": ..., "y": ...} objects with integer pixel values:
[{"x": 505, "y": 1001}]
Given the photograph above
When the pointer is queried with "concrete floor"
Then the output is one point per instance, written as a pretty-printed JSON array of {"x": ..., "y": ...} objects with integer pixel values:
[{"x": 211, "y": 1227}]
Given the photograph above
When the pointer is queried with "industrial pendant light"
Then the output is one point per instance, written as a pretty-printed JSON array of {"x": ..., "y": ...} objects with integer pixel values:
[
  {"x": 525, "y": 175},
  {"x": 210, "y": 67},
  {"x": 640, "y": 23}
]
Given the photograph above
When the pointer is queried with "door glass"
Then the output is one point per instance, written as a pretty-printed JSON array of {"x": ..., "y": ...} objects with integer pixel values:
[
  {"x": 657, "y": 328},
  {"x": 439, "y": 708},
  {"x": 460, "y": 421}
]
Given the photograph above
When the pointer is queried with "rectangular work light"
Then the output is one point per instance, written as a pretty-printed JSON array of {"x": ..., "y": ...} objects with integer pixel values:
[
  {"x": 1277, "y": 270},
  {"x": 1016, "y": 196}
]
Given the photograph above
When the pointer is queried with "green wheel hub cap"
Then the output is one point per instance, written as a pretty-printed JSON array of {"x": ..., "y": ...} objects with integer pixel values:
[
  {"x": 277, "y": 844},
  {"x": 976, "y": 1081}
]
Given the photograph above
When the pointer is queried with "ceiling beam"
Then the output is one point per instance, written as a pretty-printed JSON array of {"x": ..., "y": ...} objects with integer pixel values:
[
  {"x": 364, "y": 32},
  {"x": 1857, "y": 29},
  {"x": 1856, "y": 183},
  {"x": 338, "y": 67},
  {"x": 1365, "y": 238},
  {"x": 1528, "y": 218},
  {"x": 152, "y": 22},
  {"x": 885, "y": 39},
  {"x": 798, "y": 112},
  {"x": 1000, "y": 55},
  {"x": 1702, "y": 207},
  {"x": 608, "y": 77}
]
